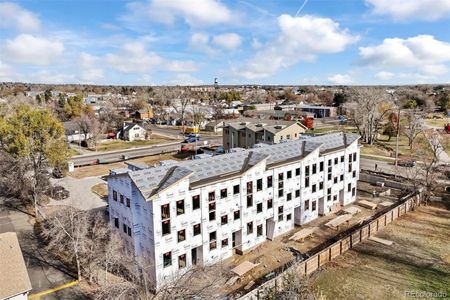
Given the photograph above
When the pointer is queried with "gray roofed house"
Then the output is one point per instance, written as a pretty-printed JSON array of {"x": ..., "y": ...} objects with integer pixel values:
[
  {"x": 246, "y": 134},
  {"x": 14, "y": 280},
  {"x": 153, "y": 180}
]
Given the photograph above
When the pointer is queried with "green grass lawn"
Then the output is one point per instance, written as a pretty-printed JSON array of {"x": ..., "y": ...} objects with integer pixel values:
[
  {"x": 119, "y": 144},
  {"x": 383, "y": 147},
  {"x": 437, "y": 122},
  {"x": 73, "y": 152}
]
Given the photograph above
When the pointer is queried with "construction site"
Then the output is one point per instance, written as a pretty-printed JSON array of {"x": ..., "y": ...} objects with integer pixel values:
[{"x": 310, "y": 249}]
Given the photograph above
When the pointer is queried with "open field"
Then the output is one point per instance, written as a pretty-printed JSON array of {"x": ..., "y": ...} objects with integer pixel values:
[
  {"x": 103, "y": 169},
  {"x": 383, "y": 147},
  {"x": 120, "y": 144},
  {"x": 419, "y": 260},
  {"x": 437, "y": 122}
]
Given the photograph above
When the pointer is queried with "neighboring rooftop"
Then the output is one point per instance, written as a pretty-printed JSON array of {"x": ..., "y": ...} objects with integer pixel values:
[
  {"x": 154, "y": 180},
  {"x": 14, "y": 278}
]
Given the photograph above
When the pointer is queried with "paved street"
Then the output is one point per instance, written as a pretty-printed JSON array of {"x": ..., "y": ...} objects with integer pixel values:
[{"x": 44, "y": 271}]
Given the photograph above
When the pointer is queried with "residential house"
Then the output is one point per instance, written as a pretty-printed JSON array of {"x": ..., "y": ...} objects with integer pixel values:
[
  {"x": 318, "y": 110},
  {"x": 73, "y": 132},
  {"x": 246, "y": 135},
  {"x": 214, "y": 126},
  {"x": 200, "y": 212},
  {"x": 132, "y": 132},
  {"x": 14, "y": 281},
  {"x": 143, "y": 114}
]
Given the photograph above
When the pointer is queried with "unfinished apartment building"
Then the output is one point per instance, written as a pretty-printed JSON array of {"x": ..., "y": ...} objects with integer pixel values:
[
  {"x": 246, "y": 134},
  {"x": 203, "y": 211}
]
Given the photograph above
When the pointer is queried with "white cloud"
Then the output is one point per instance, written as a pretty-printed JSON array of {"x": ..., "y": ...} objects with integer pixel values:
[
  {"x": 300, "y": 39},
  {"x": 90, "y": 72},
  {"x": 340, "y": 79},
  {"x": 228, "y": 41},
  {"x": 384, "y": 75},
  {"x": 29, "y": 49},
  {"x": 423, "y": 53},
  {"x": 434, "y": 70},
  {"x": 14, "y": 16},
  {"x": 135, "y": 58},
  {"x": 194, "y": 12},
  {"x": 200, "y": 41},
  {"x": 413, "y": 51},
  {"x": 185, "y": 79},
  {"x": 212, "y": 45},
  {"x": 428, "y": 10},
  {"x": 6, "y": 72}
]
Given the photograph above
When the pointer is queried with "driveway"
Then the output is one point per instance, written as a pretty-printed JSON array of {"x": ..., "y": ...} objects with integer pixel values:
[{"x": 81, "y": 196}]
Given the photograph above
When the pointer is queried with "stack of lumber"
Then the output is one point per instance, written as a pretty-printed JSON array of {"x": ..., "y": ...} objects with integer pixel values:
[
  {"x": 367, "y": 204},
  {"x": 302, "y": 234}
]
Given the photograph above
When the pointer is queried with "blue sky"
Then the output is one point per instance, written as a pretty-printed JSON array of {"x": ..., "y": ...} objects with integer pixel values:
[{"x": 148, "y": 42}]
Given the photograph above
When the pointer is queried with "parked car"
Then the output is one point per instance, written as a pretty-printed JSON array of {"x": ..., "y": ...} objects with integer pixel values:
[
  {"x": 192, "y": 139},
  {"x": 58, "y": 193},
  {"x": 407, "y": 163}
]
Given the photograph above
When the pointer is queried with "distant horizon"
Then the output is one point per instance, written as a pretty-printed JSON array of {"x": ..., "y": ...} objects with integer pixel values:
[
  {"x": 230, "y": 85},
  {"x": 249, "y": 42}
]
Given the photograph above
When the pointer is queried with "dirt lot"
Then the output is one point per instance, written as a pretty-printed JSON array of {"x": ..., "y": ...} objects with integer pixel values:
[
  {"x": 103, "y": 169},
  {"x": 419, "y": 260}
]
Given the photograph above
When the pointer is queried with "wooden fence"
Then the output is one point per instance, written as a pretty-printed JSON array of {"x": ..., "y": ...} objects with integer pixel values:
[{"x": 328, "y": 252}]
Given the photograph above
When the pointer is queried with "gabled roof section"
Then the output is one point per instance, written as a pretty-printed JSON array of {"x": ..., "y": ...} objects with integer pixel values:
[
  {"x": 155, "y": 180},
  {"x": 14, "y": 278}
]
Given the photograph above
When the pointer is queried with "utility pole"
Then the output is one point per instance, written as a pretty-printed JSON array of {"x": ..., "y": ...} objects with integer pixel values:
[{"x": 391, "y": 92}]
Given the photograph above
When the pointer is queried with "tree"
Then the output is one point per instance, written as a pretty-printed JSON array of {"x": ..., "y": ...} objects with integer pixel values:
[
  {"x": 339, "y": 99},
  {"x": 389, "y": 130},
  {"x": 292, "y": 286},
  {"x": 35, "y": 136},
  {"x": 138, "y": 104},
  {"x": 84, "y": 239},
  {"x": 231, "y": 96},
  {"x": 444, "y": 102},
  {"x": 414, "y": 126},
  {"x": 74, "y": 107},
  {"x": 91, "y": 127},
  {"x": 368, "y": 108},
  {"x": 425, "y": 176}
]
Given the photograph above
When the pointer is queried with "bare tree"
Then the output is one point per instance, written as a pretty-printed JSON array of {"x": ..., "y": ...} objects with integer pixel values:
[
  {"x": 198, "y": 114},
  {"x": 368, "y": 108},
  {"x": 66, "y": 232},
  {"x": 292, "y": 286},
  {"x": 91, "y": 127},
  {"x": 425, "y": 175},
  {"x": 414, "y": 126}
]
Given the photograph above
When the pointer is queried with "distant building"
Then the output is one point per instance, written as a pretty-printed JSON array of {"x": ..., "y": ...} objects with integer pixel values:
[
  {"x": 14, "y": 281},
  {"x": 214, "y": 126},
  {"x": 73, "y": 133},
  {"x": 245, "y": 134},
  {"x": 319, "y": 111},
  {"x": 132, "y": 132},
  {"x": 143, "y": 114}
]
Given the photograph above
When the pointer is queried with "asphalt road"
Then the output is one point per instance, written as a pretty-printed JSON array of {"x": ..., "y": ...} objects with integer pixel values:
[{"x": 117, "y": 155}]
